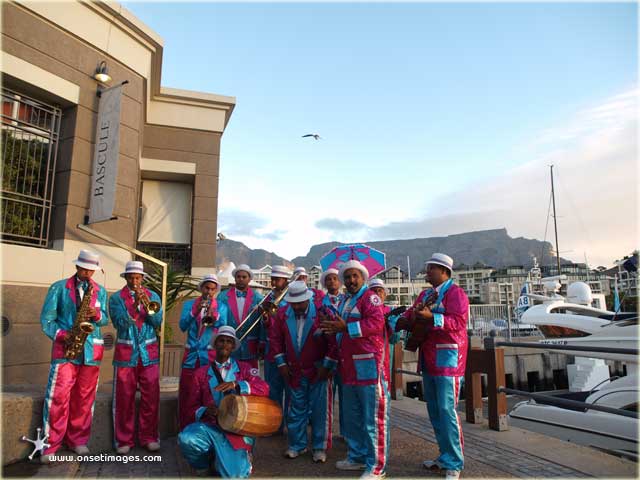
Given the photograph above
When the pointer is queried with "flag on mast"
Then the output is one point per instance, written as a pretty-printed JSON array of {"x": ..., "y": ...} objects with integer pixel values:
[
  {"x": 524, "y": 302},
  {"x": 616, "y": 296}
]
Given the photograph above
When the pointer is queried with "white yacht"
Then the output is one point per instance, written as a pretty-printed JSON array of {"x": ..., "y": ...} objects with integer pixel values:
[
  {"x": 603, "y": 430},
  {"x": 573, "y": 321}
]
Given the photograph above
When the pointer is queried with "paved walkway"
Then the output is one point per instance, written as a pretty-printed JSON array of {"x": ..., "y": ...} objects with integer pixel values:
[
  {"x": 511, "y": 454},
  {"x": 512, "y": 461}
]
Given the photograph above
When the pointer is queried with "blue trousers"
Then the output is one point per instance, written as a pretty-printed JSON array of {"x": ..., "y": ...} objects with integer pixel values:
[
  {"x": 310, "y": 401},
  {"x": 199, "y": 440},
  {"x": 441, "y": 394},
  {"x": 278, "y": 390},
  {"x": 366, "y": 421}
]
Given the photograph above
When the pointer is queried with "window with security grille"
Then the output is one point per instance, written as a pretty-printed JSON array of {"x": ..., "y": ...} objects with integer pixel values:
[
  {"x": 30, "y": 131},
  {"x": 177, "y": 256}
]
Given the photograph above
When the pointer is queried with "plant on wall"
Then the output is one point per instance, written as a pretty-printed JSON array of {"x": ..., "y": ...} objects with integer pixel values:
[{"x": 180, "y": 285}]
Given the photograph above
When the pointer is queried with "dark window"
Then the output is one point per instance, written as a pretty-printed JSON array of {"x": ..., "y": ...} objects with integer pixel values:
[
  {"x": 533, "y": 379},
  {"x": 30, "y": 131},
  {"x": 554, "y": 331},
  {"x": 176, "y": 255}
]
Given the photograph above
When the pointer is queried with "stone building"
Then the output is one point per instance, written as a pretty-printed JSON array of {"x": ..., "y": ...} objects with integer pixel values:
[{"x": 168, "y": 163}]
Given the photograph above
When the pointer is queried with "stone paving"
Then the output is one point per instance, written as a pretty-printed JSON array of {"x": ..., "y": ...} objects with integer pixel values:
[
  {"x": 488, "y": 454},
  {"x": 513, "y": 461}
]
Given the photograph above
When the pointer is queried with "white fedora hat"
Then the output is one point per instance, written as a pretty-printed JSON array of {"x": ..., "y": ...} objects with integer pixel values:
[
  {"x": 242, "y": 268},
  {"x": 442, "y": 260},
  {"x": 377, "y": 283},
  {"x": 300, "y": 271},
  {"x": 226, "y": 331},
  {"x": 280, "y": 271},
  {"x": 327, "y": 272},
  {"x": 133, "y": 266},
  {"x": 210, "y": 277},
  {"x": 88, "y": 260},
  {"x": 354, "y": 264},
  {"x": 298, "y": 292}
]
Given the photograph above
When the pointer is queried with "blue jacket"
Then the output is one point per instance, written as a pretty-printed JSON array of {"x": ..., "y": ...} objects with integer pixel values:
[
  {"x": 249, "y": 347},
  {"x": 58, "y": 316},
  {"x": 136, "y": 330},
  {"x": 198, "y": 344}
]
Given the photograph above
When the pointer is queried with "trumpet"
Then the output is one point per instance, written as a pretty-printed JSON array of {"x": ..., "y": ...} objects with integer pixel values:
[
  {"x": 141, "y": 297},
  {"x": 205, "y": 311},
  {"x": 266, "y": 307}
]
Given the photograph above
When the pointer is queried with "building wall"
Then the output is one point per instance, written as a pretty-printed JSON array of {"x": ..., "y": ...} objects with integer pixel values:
[
  {"x": 28, "y": 37},
  {"x": 202, "y": 150},
  {"x": 50, "y": 52},
  {"x": 27, "y": 271}
]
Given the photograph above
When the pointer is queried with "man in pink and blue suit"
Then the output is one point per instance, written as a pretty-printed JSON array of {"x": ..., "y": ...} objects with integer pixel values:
[
  {"x": 305, "y": 357},
  {"x": 198, "y": 350},
  {"x": 240, "y": 300},
  {"x": 72, "y": 384},
  {"x": 135, "y": 363},
  {"x": 443, "y": 356},
  {"x": 362, "y": 340},
  {"x": 278, "y": 390},
  {"x": 203, "y": 438},
  {"x": 330, "y": 280},
  {"x": 300, "y": 274}
]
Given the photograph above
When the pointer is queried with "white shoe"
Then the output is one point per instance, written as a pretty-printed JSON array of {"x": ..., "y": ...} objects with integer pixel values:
[
  {"x": 431, "y": 465},
  {"x": 291, "y": 453},
  {"x": 46, "y": 459},
  {"x": 452, "y": 475},
  {"x": 371, "y": 476},
  {"x": 347, "y": 464},
  {"x": 123, "y": 449},
  {"x": 81, "y": 450},
  {"x": 153, "y": 446},
  {"x": 319, "y": 456}
]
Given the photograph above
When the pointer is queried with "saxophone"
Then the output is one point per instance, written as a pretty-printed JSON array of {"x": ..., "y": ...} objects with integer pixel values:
[{"x": 82, "y": 327}]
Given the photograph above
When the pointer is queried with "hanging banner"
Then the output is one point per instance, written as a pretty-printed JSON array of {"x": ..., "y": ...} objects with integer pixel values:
[{"x": 105, "y": 159}]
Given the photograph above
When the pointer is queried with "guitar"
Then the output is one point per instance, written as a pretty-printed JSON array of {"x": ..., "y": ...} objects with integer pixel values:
[
  {"x": 395, "y": 311},
  {"x": 419, "y": 330}
]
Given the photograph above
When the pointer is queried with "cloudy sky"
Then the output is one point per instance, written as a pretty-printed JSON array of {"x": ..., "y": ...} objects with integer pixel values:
[{"x": 435, "y": 118}]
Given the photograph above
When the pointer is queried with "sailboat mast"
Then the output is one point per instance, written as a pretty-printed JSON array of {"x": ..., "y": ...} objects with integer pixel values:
[{"x": 555, "y": 223}]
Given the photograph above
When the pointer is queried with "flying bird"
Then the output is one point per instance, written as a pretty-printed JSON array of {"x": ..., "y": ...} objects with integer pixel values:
[{"x": 314, "y": 135}]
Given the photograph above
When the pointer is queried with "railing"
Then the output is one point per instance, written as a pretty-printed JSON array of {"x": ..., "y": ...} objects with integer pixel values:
[
  {"x": 565, "y": 402},
  {"x": 30, "y": 131},
  {"x": 490, "y": 361},
  {"x": 483, "y": 319},
  {"x": 491, "y": 343}
]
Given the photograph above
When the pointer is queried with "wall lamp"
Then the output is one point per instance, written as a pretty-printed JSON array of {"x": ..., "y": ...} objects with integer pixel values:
[{"x": 102, "y": 75}]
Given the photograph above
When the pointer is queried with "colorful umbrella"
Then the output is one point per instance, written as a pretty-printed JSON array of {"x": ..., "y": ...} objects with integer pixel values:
[{"x": 372, "y": 259}]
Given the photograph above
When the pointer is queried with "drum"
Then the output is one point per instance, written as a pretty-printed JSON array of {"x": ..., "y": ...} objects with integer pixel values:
[{"x": 249, "y": 415}]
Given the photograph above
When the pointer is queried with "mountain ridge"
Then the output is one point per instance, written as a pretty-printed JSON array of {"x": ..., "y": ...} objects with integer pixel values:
[{"x": 493, "y": 248}]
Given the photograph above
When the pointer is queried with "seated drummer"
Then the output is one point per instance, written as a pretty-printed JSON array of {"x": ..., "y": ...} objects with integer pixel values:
[{"x": 204, "y": 438}]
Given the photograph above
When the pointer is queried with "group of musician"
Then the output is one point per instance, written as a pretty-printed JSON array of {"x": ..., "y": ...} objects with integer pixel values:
[{"x": 313, "y": 344}]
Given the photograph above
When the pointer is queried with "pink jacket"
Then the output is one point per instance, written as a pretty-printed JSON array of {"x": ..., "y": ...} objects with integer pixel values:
[
  {"x": 249, "y": 383},
  {"x": 364, "y": 347},
  {"x": 444, "y": 351},
  {"x": 316, "y": 348}
]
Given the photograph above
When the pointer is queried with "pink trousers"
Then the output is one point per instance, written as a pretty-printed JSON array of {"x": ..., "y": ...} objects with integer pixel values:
[
  {"x": 68, "y": 404},
  {"x": 188, "y": 402},
  {"x": 126, "y": 380}
]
